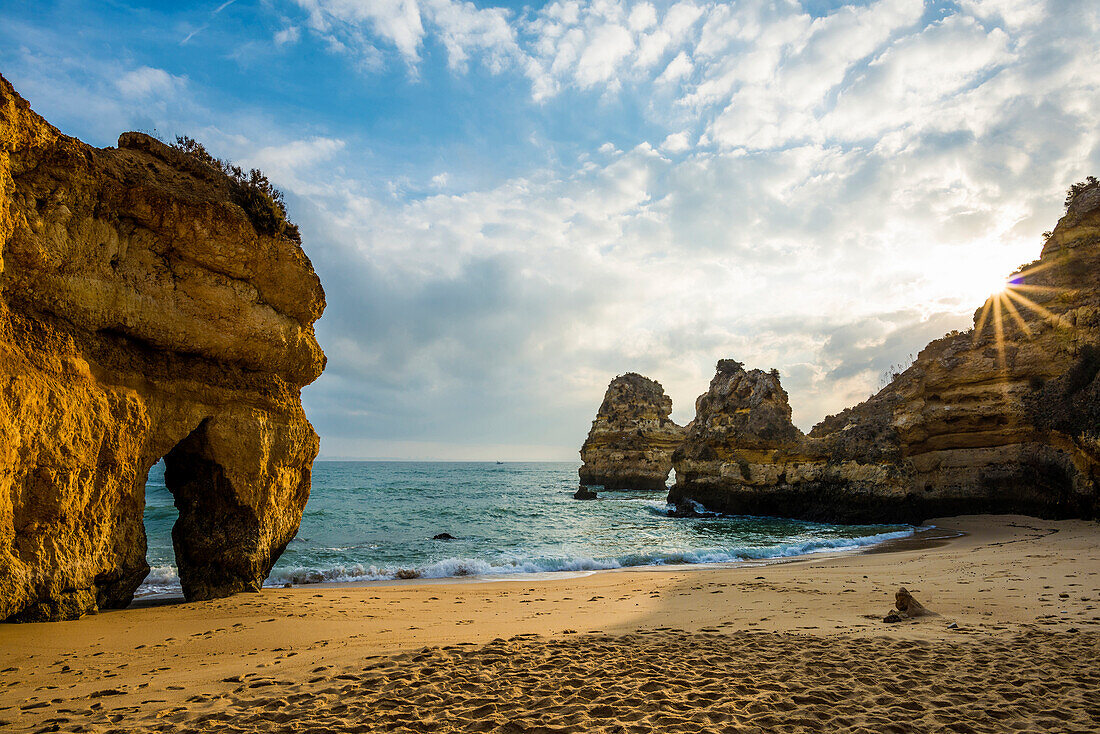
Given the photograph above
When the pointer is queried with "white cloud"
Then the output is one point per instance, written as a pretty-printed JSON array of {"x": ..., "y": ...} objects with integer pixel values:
[
  {"x": 288, "y": 35},
  {"x": 1014, "y": 14},
  {"x": 873, "y": 174},
  {"x": 677, "y": 69},
  {"x": 642, "y": 17},
  {"x": 465, "y": 29},
  {"x": 681, "y": 17},
  {"x": 676, "y": 142},
  {"x": 395, "y": 21},
  {"x": 298, "y": 165},
  {"x": 606, "y": 42},
  {"x": 672, "y": 31},
  {"x": 826, "y": 195},
  {"x": 609, "y": 45},
  {"x": 149, "y": 82},
  {"x": 299, "y": 153},
  {"x": 642, "y": 263},
  {"x": 461, "y": 27},
  {"x": 779, "y": 99}
]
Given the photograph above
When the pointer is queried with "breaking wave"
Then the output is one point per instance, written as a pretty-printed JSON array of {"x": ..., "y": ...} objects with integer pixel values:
[
  {"x": 161, "y": 580},
  {"x": 461, "y": 567},
  {"x": 164, "y": 579},
  {"x": 375, "y": 521}
]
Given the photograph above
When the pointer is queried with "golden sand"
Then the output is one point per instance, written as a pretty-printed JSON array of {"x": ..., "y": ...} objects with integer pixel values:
[{"x": 800, "y": 646}]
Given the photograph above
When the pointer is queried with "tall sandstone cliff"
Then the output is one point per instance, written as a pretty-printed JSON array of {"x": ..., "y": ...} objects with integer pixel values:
[
  {"x": 632, "y": 439},
  {"x": 1003, "y": 418},
  {"x": 142, "y": 316}
]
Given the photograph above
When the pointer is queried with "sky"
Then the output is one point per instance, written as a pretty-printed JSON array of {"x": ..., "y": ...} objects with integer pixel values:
[{"x": 509, "y": 204}]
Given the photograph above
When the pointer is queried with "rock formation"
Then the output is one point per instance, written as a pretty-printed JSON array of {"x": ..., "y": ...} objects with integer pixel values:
[
  {"x": 142, "y": 315},
  {"x": 632, "y": 439},
  {"x": 1002, "y": 418}
]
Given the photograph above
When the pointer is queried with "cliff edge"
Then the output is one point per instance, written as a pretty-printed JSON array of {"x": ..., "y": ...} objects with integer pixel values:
[
  {"x": 1004, "y": 418},
  {"x": 631, "y": 441},
  {"x": 143, "y": 315}
]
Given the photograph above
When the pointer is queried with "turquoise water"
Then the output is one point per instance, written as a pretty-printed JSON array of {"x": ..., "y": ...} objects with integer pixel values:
[{"x": 369, "y": 520}]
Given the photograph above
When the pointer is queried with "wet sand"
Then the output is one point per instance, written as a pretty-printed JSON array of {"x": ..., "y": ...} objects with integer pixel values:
[{"x": 797, "y": 646}]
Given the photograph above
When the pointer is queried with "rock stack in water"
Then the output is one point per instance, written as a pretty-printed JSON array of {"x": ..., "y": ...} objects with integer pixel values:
[
  {"x": 632, "y": 439},
  {"x": 742, "y": 454},
  {"x": 143, "y": 314},
  {"x": 1002, "y": 418}
]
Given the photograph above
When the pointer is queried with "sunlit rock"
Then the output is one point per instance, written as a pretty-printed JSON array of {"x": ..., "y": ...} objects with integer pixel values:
[
  {"x": 1002, "y": 418},
  {"x": 632, "y": 439},
  {"x": 142, "y": 316}
]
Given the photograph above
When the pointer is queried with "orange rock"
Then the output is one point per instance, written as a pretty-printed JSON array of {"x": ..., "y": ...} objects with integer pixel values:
[
  {"x": 142, "y": 316},
  {"x": 632, "y": 439},
  {"x": 904, "y": 602},
  {"x": 999, "y": 419}
]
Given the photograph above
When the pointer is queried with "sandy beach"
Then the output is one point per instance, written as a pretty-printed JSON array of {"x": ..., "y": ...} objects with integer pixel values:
[
  {"x": 550, "y": 367},
  {"x": 795, "y": 646}
]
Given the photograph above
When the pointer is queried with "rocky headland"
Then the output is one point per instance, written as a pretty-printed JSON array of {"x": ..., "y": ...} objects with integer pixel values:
[
  {"x": 144, "y": 314},
  {"x": 631, "y": 441},
  {"x": 1003, "y": 418}
]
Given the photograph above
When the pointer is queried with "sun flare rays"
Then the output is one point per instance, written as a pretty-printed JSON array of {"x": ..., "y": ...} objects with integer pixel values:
[{"x": 1004, "y": 306}]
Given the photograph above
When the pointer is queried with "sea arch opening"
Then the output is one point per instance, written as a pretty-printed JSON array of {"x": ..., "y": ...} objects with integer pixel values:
[{"x": 198, "y": 534}]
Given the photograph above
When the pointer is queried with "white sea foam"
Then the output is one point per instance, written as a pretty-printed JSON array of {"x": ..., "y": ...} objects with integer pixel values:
[
  {"x": 463, "y": 567},
  {"x": 693, "y": 508},
  {"x": 161, "y": 580},
  {"x": 698, "y": 509},
  {"x": 335, "y": 574}
]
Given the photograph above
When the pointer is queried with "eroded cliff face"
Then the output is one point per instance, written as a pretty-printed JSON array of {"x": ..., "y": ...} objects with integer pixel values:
[
  {"x": 632, "y": 439},
  {"x": 1003, "y": 418},
  {"x": 142, "y": 316}
]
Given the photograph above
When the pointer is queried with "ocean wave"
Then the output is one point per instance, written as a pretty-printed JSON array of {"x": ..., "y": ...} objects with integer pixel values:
[
  {"x": 690, "y": 508},
  {"x": 464, "y": 567},
  {"x": 335, "y": 574},
  {"x": 687, "y": 508},
  {"x": 163, "y": 579}
]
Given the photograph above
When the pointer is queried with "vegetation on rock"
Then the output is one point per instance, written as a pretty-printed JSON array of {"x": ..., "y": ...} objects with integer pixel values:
[
  {"x": 1079, "y": 188},
  {"x": 1001, "y": 419},
  {"x": 263, "y": 203},
  {"x": 142, "y": 318}
]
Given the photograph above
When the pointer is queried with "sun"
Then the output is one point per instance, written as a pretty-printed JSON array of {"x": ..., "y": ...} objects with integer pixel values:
[
  {"x": 972, "y": 274},
  {"x": 996, "y": 284},
  {"x": 1009, "y": 303}
]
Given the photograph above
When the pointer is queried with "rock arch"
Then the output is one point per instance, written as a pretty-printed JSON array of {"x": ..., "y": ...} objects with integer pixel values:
[
  {"x": 142, "y": 316},
  {"x": 228, "y": 534}
]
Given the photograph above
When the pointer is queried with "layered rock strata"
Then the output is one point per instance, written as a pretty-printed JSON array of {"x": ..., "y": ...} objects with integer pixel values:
[
  {"x": 142, "y": 316},
  {"x": 1002, "y": 418},
  {"x": 631, "y": 441}
]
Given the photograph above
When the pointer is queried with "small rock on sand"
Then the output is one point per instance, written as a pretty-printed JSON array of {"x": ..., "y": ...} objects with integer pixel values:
[{"x": 906, "y": 607}]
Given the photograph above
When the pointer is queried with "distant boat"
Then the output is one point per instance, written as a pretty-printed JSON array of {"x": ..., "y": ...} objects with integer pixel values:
[{"x": 500, "y": 462}]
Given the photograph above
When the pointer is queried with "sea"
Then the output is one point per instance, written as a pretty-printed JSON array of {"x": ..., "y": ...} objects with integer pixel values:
[{"x": 377, "y": 520}]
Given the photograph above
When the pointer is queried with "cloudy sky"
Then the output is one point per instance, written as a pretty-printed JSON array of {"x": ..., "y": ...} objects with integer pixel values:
[{"x": 509, "y": 203}]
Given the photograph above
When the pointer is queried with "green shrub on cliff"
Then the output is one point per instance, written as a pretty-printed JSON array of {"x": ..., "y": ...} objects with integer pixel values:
[
  {"x": 1079, "y": 188},
  {"x": 263, "y": 203}
]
